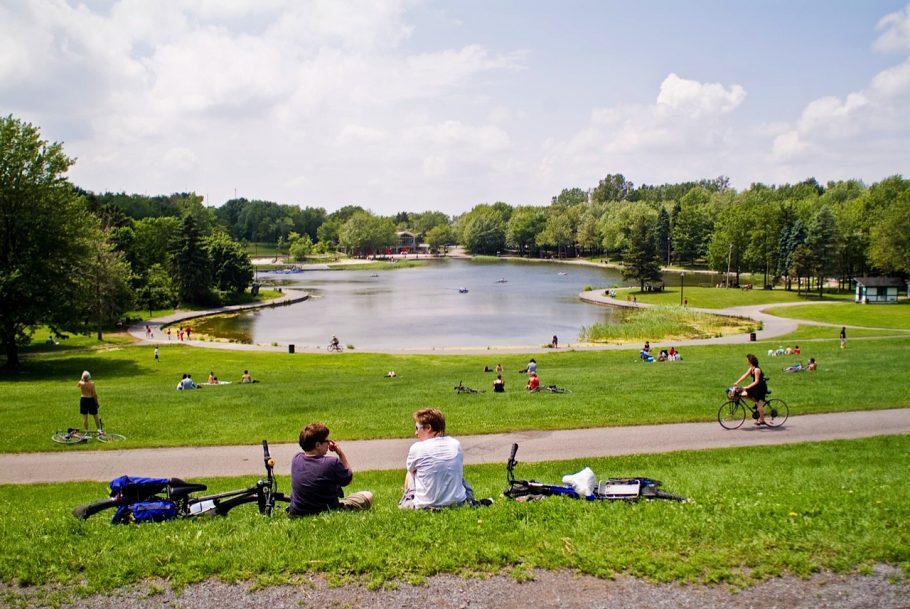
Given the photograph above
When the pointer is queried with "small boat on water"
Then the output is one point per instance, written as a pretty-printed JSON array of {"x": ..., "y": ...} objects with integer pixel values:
[
  {"x": 502, "y": 280},
  {"x": 561, "y": 273},
  {"x": 462, "y": 290}
]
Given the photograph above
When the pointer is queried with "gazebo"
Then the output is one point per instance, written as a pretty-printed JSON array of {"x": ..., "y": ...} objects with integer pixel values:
[{"x": 871, "y": 290}]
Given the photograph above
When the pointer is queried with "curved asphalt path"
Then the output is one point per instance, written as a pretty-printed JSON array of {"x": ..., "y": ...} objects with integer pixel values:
[{"x": 198, "y": 462}]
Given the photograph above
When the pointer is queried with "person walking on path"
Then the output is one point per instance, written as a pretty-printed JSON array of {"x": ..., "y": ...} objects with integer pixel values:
[
  {"x": 843, "y": 337},
  {"x": 317, "y": 479},
  {"x": 88, "y": 403},
  {"x": 157, "y": 361}
]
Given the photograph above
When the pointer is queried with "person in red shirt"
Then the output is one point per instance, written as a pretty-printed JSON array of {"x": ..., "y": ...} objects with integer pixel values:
[{"x": 533, "y": 382}]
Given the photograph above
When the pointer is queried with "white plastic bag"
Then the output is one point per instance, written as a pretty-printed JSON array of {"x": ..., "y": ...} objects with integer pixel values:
[{"x": 583, "y": 482}]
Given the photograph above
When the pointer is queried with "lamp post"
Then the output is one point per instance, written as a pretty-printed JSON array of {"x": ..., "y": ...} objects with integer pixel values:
[
  {"x": 729, "y": 256},
  {"x": 682, "y": 286}
]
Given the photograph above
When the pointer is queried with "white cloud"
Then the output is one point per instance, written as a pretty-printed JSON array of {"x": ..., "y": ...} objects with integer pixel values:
[
  {"x": 895, "y": 28},
  {"x": 697, "y": 99}
]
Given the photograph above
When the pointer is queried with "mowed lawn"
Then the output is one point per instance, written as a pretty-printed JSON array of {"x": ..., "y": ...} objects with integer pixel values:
[
  {"x": 721, "y": 298},
  {"x": 754, "y": 513},
  {"x": 892, "y": 316},
  {"x": 351, "y": 393}
]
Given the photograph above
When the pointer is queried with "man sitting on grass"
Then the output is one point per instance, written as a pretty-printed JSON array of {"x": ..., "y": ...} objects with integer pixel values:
[
  {"x": 435, "y": 464},
  {"x": 316, "y": 478}
]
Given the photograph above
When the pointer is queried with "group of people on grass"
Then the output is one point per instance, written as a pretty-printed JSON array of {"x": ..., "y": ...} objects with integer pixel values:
[
  {"x": 499, "y": 385},
  {"x": 671, "y": 355},
  {"x": 187, "y": 381},
  {"x": 434, "y": 476}
]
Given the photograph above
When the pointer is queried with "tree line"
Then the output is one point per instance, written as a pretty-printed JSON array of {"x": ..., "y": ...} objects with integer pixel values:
[{"x": 76, "y": 260}]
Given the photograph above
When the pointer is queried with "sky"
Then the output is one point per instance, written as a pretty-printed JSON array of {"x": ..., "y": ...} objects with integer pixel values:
[{"x": 416, "y": 105}]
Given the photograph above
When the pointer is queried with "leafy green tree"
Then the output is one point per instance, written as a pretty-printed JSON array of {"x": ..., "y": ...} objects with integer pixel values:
[
  {"x": 366, "y": 234},
  {"x": 641, "y": 258},
  {"x": 614, "y": 187},
  {"x": 557, "y": 233},
  {"x": 824, "y": 241},
  {"x": 484, "y": 232},
  {"x": 328, "y": 233},
  {"x": 190, "y": 263},
  {"x": 232, "y": 270},
  {"x": 46, "y": 239},
  {"x": 440, "y": 237},
  {"x": 422, "y": 223},
  {"x": 109, "y": 293},
  {"x": 524, "y": 226},
  {"x": 299, "y": 247},
  {"x": 889, "y": 248},
  {"x": 569, "y": 197},
  {"x": 692, "y": 226}
]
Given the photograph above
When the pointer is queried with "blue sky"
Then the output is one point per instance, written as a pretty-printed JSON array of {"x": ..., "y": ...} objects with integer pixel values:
[{"x": 418, "y": 105}]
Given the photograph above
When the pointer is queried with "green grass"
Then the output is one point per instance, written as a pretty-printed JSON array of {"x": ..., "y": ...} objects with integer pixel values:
[
  {"x": 755, "y": 513},
  {"x": 720, "y": 298},
  {"x": 350, "y": 392},
  {"x": 812, "y": 332},
  {"x": 895, "y": 315},
  {"x": 666, "y": 323},
  {"x": 378, "y": 265}
]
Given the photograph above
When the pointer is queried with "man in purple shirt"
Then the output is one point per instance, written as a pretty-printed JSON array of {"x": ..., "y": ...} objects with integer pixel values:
[{"x": 317, "y": 478}]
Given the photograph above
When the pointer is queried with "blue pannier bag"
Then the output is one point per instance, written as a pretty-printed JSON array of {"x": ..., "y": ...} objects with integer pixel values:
[
  {"x": 145, "y": 511},
  {"x": 137, "y": 488}
]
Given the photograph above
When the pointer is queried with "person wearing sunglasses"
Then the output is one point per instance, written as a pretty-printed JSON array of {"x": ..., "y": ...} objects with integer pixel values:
[
  {"x": 435, "y": 466},
  {"x": 317, "y": 478}
]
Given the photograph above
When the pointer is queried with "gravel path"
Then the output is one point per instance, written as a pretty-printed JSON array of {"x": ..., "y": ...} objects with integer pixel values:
[{"x": 886, "y": 588}]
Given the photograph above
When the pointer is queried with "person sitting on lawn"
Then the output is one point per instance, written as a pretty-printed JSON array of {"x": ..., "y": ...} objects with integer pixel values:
[
  {"x": 812, "y": 365},
  {"x": 499, "y": 385},
  {"x": 186, "y": 383},
  {"x": 533, "y": 382},
  {"x": 674, "y": 355},
  {"x": 435, "y": 466},
  {"x": 317, "y": 478}
]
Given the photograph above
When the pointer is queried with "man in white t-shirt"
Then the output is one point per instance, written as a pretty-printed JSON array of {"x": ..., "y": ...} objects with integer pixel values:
[{"x": 435, "y": 465}]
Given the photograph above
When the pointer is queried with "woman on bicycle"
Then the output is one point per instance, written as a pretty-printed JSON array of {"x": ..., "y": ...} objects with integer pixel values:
[{"x": 757, "y": 390}]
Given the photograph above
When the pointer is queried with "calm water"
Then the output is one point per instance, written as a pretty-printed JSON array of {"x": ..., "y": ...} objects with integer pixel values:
[{"x": 422, "y": 307}]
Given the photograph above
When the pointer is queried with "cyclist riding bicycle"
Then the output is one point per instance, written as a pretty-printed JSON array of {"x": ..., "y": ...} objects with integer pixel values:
[
  {"x": 757, "y": 390},
  {"x": 334, "y": 342}
]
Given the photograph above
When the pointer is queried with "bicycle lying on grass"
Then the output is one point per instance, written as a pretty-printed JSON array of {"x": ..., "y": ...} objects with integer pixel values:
[
  {"x": 78, "y": 436},
  {"x": 629, "y": 489},
  {"x": 462, "y": 388},
  {"x": 732, "y": 413},
  {"x": 553, "y": 389},
  {"x": 159, "y": 499}
]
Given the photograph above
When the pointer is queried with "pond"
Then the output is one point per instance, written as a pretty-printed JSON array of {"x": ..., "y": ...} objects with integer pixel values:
[{"x": 447, "y": 304}]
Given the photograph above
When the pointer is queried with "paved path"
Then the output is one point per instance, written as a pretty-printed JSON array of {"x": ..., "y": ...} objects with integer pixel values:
[{"x": 199, "y": 462}]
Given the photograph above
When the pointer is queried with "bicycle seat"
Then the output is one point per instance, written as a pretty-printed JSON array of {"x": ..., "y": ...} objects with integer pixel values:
[{"x": 180, "y": 489}]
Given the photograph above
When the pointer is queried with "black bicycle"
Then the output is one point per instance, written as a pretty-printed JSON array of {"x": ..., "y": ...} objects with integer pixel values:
[
  {"x": 462, "y": 388},
  {"x": 158, "y": 499},
  {"x": 732, "y": 413}
]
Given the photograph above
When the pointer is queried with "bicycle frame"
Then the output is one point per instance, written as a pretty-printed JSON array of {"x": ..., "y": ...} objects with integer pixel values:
[
  {"x": 264, "y": 493},
  {"x": 628, "y": 489}
]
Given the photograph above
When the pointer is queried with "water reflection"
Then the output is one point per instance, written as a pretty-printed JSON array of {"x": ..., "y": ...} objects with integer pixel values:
[{"x": 422, "y": 307}]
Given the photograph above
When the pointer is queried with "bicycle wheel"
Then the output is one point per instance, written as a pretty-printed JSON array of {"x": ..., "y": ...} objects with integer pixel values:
[
  {"x": 110, "y": 437},
  {"x": 776, "y": 412},
  {"x": 69, "y": 437},
  {"x": 731, "y": 415}
]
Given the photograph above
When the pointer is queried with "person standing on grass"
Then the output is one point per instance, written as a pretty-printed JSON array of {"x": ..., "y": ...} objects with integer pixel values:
[
  {"x": 757, "y": 389},
  {"x": 317, "y": 478},
  {"x": 157, "y": 361},
  {"x": 843, "y": 337},
  {"x": 88, "y": 403},
  {"x": 435, "y": 467}
]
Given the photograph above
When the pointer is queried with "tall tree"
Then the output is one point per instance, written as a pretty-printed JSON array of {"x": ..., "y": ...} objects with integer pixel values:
[
  {"x": 614, "y": 187},
  {"x": 523, "y": 227},
  {"x": 824, "y": 241},
  {"x": 232, "y": 270},
  {"x": 890, "y": 238},
  {"x": 46, "y": 237},
  {"x": 641, "y": 258},
  {"x": 190, "y": 263}
]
